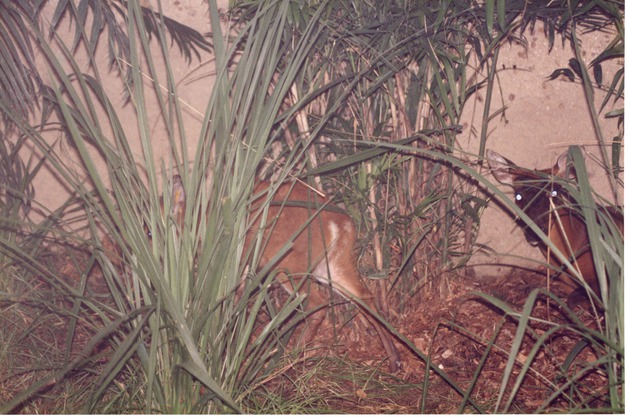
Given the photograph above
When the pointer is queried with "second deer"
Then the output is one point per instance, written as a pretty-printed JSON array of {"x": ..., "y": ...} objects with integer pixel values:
[{"x": 544, "y": 201}]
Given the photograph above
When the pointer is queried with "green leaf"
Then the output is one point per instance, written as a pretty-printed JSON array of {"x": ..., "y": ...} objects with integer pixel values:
[{"x": 490, "y": 4}]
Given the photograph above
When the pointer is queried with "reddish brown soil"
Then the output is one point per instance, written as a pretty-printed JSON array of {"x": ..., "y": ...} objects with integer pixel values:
[{"x": 454, "y": 330}]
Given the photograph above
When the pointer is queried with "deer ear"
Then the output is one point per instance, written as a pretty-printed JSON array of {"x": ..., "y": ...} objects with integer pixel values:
[
  {"x": 564, "y": 167},
  {"x": 501, "y": 167},
  {"x": 178, "y": 199}
]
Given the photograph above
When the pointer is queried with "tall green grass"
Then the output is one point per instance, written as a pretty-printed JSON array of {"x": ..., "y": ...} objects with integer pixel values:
[
  {"x": 383, "y": 98},
  {"x": 174, "y": 325}
]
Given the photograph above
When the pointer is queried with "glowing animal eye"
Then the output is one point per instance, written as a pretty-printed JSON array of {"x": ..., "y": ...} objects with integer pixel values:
[
  {"x": 518, "y": 197},
  {"x": 554, "y": 193}
]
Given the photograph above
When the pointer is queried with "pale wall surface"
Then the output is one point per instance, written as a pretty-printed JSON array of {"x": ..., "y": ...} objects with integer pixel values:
[{"x": 543, "y": 117}]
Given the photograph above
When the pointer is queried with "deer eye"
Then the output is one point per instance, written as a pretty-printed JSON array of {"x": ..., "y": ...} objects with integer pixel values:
[
  {"x": 518, "y": 196},
  {"x": 554, "y": 193}
]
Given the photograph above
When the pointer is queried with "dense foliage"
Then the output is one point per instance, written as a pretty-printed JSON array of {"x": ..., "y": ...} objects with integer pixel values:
[{"x": 363, "y": 98}]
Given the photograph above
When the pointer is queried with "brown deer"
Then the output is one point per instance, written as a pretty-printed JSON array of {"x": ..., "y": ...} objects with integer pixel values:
[
  {"x": 323, "y": 248},
  {"x": 535, "y": 191}
]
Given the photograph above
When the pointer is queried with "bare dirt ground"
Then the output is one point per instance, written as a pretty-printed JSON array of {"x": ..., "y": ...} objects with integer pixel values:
[
  {"x": 346, "y": 370},
  {"x": 455, "y": 333}
]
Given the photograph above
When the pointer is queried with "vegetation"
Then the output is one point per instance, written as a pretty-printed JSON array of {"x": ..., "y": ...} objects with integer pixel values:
[{"x": 368, "y": 106}]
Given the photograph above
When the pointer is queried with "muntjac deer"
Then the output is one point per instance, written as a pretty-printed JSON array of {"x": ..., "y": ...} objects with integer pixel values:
[
  {"x": 323, "y": 249},
  {"x": 535, "y": 190}
]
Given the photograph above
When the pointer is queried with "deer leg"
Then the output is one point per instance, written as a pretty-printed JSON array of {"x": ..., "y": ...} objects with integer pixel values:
[
  {"x": 347, "y": 282},
  {"x": 316, "y": 309},
  {"x": 366, "y": 299}
]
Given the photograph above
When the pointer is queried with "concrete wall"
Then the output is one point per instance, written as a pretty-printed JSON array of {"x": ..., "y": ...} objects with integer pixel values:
[{"x": 542, "y": 119}]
